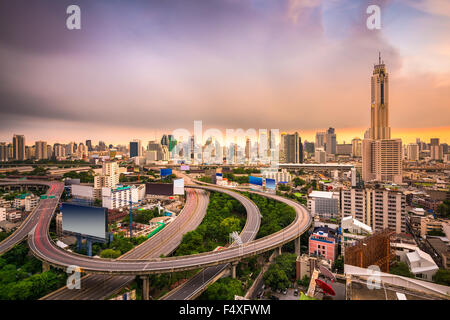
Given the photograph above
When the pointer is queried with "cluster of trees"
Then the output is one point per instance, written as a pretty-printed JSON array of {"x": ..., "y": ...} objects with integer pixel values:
[
  {"x": 298, "y": 182},
  {"x": 10, "y": 196},
  {"x": 38, "y": 171},
  {"x": 245, "y": 171},
  {"x": 444, "y": 209},
  {"x": 275, "y": 215},
  {"x": 223, "y": 216},
  {"x": 143, "y": 216},
  {"x": 117, "y": 247},
  {"x": 84, "y": 176},
  {"x": 437, "y": 233},
  {"x": 238, "y": 179},
  {"x": 20, "y": 277},
  {"x": 442, "y": 276},
  {"x": 223, "y": 289},
  {"x": 284, "y": 187},
  {"x": 281, "y": 274},
  {"x": 206, "y": 179},
  {"x": 401, "y": 269}
]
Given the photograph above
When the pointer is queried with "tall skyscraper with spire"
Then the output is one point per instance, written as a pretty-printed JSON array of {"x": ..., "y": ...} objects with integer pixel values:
[
  {"x": 381, "y": 155},
  {"x": 379, "y": 111}
]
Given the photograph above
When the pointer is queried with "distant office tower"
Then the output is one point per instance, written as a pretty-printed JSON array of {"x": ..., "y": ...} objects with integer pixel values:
[
  {"x": 89, "y": 145},
  {"x": 320, "y": 156},
  {"x": 356, "y": 147},
  {"x": 3, "y": 152},
  {"x": 10, "y": 151},
  {"x": 320, "y": 140},
  {"x": 344, "y": 149},
  {"x": 308, "y": 147},
  {"x": 41, "y": 150},
  {"x": 282, "y": 153},
  {"x": 172, "y": 142},
  {"x": 135, "y": 148},
  {"x": 164, "y": 140},
  {"x": 412, "y": 152},
  {"x": 30, "y": 152},
  {"x": 19, "y": 147},
  {"x": 161, "y": 151},
  {"x": 101, "y": 146},
  {"x": 330, "y": 141},
  {"x": 49, "y": 151},
  {"x": 82, "y": 151},
  {"x": 436, "y": 150},
  {"x": 293, "y": 148},
  {"x": 248, "y": 149},
  {"x": 70, "y": 148},
  {"x": 381, "y": 155},
  {"x": 59, "y": 151}
]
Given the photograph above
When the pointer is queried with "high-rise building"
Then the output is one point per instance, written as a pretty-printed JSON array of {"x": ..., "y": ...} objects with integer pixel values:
[
  {"x": 10, "y": 151},
  {"x": 89, "y": 145},
  {"x": 308, "y": 147},
  {"x": 59, "y": 151},
  {"x": 164, "y": 140},
  {"x": 293, "y": 148},
  {"x": 377, "y": 207},
  {"x": 330, "y": 141},
  {"x": 412, "y": 152},
  {"x": 41, "y": 150},
  {"x": 320, "y": 139},
  {"x": 19, "y": 147},
  {"x": 381, "y": 155},
  {"x": 3, "y": 152},
  {"x": 379, "y": 112},
  {"x": 101, "y": 146},
  {"x": 436, "y": 150},
  {"x": 109, "y": 178},
  {"x": 135, "y": 148},
  {"x": 320, "y": 156},
  {"x": 356, "y": 147},
  {"x": 282, "y": 153},
  {"x": 30, "y": 152}
]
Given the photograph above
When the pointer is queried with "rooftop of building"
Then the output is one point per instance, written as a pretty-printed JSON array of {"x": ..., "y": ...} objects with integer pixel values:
[
  {"x": 325, "y": 232},
  {"x": 440, "y": 244},
  {"x": 321, "y": 194}
]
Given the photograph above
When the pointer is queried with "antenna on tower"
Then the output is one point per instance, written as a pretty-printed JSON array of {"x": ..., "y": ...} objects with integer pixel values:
[{"x": 379, "y": 57}]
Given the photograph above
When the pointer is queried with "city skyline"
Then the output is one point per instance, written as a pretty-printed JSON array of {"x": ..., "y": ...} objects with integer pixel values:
[{"x": 151, "y": 71}]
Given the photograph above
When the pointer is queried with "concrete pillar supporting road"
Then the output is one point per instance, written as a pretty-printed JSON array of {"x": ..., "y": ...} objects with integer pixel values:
[
  {"x": 145, "y": 288},
  {"x": 45, "y": 267},
  {"x": 279, "y": 250},
  {"x": 297, "y": 246},
  {"x": 233, "y": 269}
]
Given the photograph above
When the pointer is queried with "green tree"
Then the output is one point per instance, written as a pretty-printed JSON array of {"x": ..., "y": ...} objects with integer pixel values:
[
  {"x": 230, "y": 224},
  {"x": 401, "y": 269},
  {"x": 276, "y": 278},
  {"x": 223, "y": 289},
  {"x": 110, "y": 254},
  {"x": 444, "y": 209},
  {"x": 442, "y": 276}
]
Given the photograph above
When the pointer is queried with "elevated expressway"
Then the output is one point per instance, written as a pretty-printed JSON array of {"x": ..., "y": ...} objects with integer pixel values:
[
  {"x": 54, "y": 188},
  {"x": 198, "y": 283},
  {"x": 43, "y": 247},
  {"x": 99, "y": 287}
]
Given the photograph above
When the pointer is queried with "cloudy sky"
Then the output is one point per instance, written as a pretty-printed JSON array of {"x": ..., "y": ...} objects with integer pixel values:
[{"x": 139, "y": 68}]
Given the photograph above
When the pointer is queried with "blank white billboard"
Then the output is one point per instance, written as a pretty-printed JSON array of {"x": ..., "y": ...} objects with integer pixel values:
[
  {"x": 85, "y": 192},
  {"x": 178, "y": 186}
]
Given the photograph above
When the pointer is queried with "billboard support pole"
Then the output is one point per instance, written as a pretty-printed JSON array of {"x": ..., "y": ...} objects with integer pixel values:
[
  {"x": 131, "y": 216},
  {"x": 89, "y": 246},
  {"x": 78, "y": 243}
]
